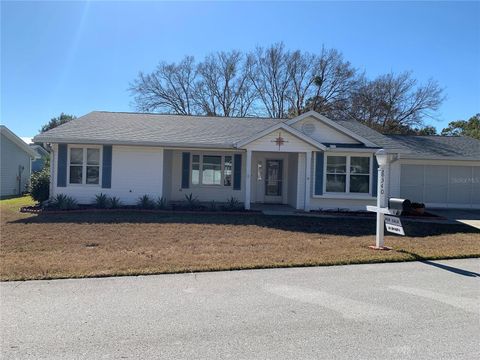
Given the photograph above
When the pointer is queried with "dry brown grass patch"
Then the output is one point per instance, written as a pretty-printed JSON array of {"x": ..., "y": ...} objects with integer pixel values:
[{"x": 82, "y": 245}]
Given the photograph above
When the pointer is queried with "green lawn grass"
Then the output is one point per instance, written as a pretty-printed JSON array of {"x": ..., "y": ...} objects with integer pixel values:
[{"x": 16, "y": 202}]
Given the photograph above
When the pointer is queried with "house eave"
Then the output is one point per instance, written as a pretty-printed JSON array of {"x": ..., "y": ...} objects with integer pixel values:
[
  {"x": 53, "y": 140},
  {"x": 435, "y": 157}
]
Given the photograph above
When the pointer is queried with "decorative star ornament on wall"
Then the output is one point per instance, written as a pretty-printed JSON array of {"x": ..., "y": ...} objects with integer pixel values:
[{"x": 279, "y": 141}]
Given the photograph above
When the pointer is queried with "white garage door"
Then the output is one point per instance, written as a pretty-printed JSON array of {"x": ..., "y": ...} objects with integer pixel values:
[{"x": 441, "y": 185}]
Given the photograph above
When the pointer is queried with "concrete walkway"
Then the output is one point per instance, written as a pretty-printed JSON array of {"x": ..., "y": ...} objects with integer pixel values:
[{"x": 418, "y": 310}]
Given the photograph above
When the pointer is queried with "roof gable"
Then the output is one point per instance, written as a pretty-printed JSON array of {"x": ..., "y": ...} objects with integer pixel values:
[
  {"x": 339, "y": 128},
  {"x": 286, "y": 128}
]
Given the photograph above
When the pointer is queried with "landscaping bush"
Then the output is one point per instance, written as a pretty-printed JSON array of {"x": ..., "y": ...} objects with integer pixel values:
[
  {"x": 192, "y": 202},
  {"x": 161, "y": 203},
  {"x": 145, "y": 202},
  {"x": 213, "y": 206},
  {"x": 40, "y": 185},
  {"x": 232, "y": 204},
  {"x": 114, "y": 202},
  {"x": 101, "y": 201},
  {"x": 64, "y": 202}
]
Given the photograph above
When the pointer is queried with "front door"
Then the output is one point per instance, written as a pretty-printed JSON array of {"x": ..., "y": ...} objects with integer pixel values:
[{"x": 274, "y": 181}]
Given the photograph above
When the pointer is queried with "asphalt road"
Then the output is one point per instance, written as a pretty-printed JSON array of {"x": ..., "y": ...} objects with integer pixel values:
[{"x": 382, "y": 311}]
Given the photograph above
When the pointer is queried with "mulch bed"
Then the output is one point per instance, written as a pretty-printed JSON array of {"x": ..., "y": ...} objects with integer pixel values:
[
  {"x": 368, "y": 214},
  {"x": 88, "y": 209}
]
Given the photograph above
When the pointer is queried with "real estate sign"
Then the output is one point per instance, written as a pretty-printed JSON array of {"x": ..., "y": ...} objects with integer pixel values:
[{"x": 394, "y": 225}]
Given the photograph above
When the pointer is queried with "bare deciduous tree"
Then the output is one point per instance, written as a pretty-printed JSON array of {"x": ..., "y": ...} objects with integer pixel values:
[
  {"x": 279, "y": 83},
  {"x": 334, "y": 81},
  {"x": 224, "y": 88},
  {"x": 269, "y": 71},
  {"x": 394, "y": 103},
  {"x": 170, "y": 88},
  {"x": 302, "y": 80}
]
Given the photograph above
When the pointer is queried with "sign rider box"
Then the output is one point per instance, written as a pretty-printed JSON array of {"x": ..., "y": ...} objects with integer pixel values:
[{"x": 394, "y": 225}]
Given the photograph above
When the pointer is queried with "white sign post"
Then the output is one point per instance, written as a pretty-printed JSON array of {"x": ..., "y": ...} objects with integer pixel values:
[{"x": 382, "y": 207}]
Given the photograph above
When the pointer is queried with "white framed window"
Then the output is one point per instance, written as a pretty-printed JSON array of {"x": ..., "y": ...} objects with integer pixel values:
[
  {"x": 212, "y": 170},
  {"x": 84, "y": 165},
  {"x": 348, "y": 174}
]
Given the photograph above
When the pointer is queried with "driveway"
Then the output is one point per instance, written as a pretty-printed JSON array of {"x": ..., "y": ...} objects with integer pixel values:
[
  {"x": 469, "y": 217},
  {"x": 415, "y": 310}
]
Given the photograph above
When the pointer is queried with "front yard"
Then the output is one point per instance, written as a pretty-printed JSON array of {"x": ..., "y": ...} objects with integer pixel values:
[{"x": 50, "y": 246}]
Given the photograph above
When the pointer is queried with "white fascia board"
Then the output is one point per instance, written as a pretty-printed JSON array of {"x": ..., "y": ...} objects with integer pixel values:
[
  {"x": 285, "y": 127},
  {"x": 351, "y": 150},
  {"x": 411, "y": 156},
  {"x": 332, "y": 124},
  {"x": 53, "y": 140}
]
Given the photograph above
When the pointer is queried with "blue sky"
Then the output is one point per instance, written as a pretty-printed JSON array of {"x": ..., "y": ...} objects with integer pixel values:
[{"x": 75, "y": 57}]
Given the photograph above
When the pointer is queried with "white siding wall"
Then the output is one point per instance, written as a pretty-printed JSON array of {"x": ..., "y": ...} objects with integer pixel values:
[
  {"x": 136, "y": 171},
  {"x": 167, "y": 173},
  {"x": 332, "y": 203},
  {"x": 12, "y": 156},
  {"x": 324, "y": 133},
  {"x": 207, "y": 193}
]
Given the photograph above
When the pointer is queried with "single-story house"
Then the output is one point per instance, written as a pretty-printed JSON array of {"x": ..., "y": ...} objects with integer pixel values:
[
  {"x": 16, "y": 159},
  {"x": 42, "y": 154},
  {"x": 308, "y": 162}
]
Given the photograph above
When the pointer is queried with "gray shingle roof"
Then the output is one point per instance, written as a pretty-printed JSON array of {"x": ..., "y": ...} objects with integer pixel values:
[
  {"x": 101, "y": 127},
  {"x": 372, "y": 135},
  {"x": 124, "y": 128},
  {"x": 457, "y": 147}
]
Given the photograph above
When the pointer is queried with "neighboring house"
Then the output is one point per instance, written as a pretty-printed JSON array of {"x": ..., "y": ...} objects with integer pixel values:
[
  {"x": 308, "y": 162},
  {"x": 39, "y": 163},
  {"x": 16, "y": 157}
]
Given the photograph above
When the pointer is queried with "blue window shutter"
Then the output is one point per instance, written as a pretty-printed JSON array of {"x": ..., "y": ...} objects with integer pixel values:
[
  {"x": 107, "y": 167},
  {"x": 237, "y": 171},
  {"x": 374, "y": 176},
  {"x": 185, "y": 170},
  {"x": 62, "y": 165},
  {"x": 319, "y": 173}
]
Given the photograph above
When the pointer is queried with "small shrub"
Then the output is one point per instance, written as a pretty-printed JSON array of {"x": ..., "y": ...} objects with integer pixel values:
[
  {"x": 161, "y": 203},
  {"x": 232, "y": 204},
  {"x": 101, "y": 201},
  {"x": 145, "y": 202},
  {"x": 213, "y": 206},
  {"x": 114, "y": 202},
  {"x": 40, "y": 185},
  {"x": 64, "y": 202},
  {"x": 415, "y": 205},
  {"x": 192, "y": 202}
]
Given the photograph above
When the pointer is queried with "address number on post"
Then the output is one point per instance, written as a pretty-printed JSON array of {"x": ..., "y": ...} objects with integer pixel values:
[{"x": 394, "y": 225}]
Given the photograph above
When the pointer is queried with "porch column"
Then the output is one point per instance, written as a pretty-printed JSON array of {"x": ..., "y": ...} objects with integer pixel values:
[
  {"x": 248, "y": 179},
  {"x": 308, "y": 175}
]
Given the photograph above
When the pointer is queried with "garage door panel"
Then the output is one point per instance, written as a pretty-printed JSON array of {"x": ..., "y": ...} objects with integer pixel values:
[
  {"x": 436, "y": 184},
  {"x": 460, "y": 186},
  {"x": 441, "y": 184},
  {"x": 476, "y": 186},
  {"x": 411, "y": 182},
  {"x": 412, "y": 175}
]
